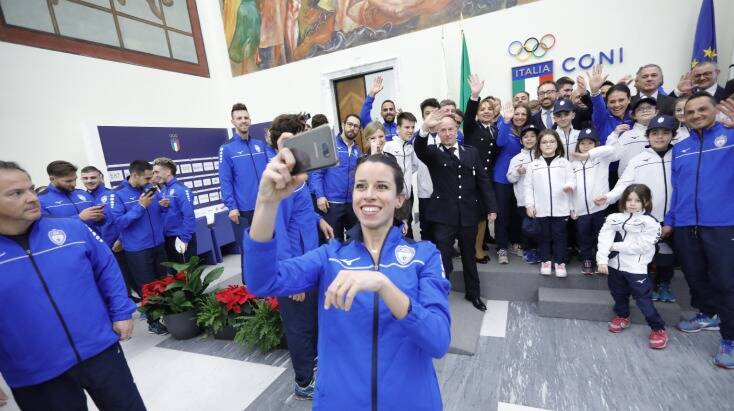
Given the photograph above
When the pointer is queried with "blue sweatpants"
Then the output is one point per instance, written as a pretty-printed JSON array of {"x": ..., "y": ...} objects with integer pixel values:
[{"x": 623, "y": 284}]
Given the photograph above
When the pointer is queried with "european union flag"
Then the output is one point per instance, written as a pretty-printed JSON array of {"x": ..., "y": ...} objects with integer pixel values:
[{"x": 704, "y": 46}]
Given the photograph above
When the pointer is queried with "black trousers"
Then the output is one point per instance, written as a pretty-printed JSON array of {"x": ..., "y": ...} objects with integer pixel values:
[
  {"x": 174, "y": 255},
  {"x": 426, "y": 226},
  {"x": 106, "y": 377},
  {"x": 527, "y": 242},
  {"x": 587, "y": 230},
  {"x": 126, "y": 275},
  {"x": 623, "y": 284},
  {"x": 300, "y": 324},
  {"x": 508, "y": 225},
  {"x": 552, "y": 241},
  {"x": 341, "y": 218},
  {"x": 145, "y": 266},
  {"x": 239, "y": 232},
  {"x": 707, "y": 259},
  {"x": 445, "y": 236}
]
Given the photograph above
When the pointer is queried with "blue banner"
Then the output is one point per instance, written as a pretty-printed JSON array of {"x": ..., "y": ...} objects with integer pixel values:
[
  {"x": 704, "y": 45},
  {"x": 532, "y": 70}
]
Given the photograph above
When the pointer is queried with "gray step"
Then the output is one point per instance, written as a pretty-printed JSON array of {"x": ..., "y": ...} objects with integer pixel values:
[{"x": 594, "y": 305}]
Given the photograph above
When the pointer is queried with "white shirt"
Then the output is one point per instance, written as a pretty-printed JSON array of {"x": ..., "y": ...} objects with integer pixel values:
[
  {"x": 407, "y": 160},
  {"x": 569, "y": 141},
  {"x": 543, "y": 114},
  {"x": 455, "y": 147},
  {"x": 425, "y": 185}
]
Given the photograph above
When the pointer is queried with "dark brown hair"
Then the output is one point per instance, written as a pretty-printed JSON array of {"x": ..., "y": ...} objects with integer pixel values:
[
  {"x": 285, "y": 123},
  {"x": 643, "y": 193},
  {"x": 559, "y": 144},
  {"x": 238, "y": 107},
  {"x": 389, "y": 161},
  {"x": 60, "y": 168}
]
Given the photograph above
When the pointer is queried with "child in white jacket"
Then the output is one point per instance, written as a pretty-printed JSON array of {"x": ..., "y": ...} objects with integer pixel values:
[
  {"x": 591, "y": 169},
  {"x": 632, "y": 141},
  {"x": 516, "y": 173},
  {"x": 549, "y": 185},
  {"x": 630, "y": 237}
]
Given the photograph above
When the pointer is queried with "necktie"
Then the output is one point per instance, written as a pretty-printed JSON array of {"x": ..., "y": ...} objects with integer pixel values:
[
  {"x": 548, "y": 119},
  {"x": 449, "y": 150}
]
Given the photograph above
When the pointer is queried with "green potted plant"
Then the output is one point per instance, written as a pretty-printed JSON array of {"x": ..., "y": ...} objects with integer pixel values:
[
  {"x": 176, "y": 297},
  {"x": 263, "y": 329},
  {"x": 219, "y": 310}
]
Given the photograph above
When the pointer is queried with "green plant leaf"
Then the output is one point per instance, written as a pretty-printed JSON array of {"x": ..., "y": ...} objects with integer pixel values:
[{"x": 212, "y": 276}]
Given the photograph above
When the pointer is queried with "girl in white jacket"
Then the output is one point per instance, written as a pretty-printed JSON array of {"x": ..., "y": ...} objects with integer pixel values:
[
  {"x": 591, "y": 170},
  {"x": 630, "y": 237},
  {"x": 549, "y": 185},
  {"x": 516, "y": 173}
]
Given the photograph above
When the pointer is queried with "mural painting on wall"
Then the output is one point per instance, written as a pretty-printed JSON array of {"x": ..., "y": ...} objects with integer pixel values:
[{"x": 268, "y": 33}]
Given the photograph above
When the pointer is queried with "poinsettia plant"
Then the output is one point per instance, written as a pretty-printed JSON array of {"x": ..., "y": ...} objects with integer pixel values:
[
  {"x": 177, "y": 293},
  {"x": 263, "y": 329},
  {"x": 221, "y": 308}
]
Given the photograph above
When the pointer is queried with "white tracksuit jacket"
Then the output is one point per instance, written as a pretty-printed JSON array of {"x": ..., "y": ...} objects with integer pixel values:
[
  {"x": 592, "y": 178},
  {"x": 523, "y": 158},
  {"x": 630, "y": 143},
  {"x": 650, "y": 169},
  {"x": 639, "y": 232},
  {"x": 407, "y": 160},
  {"x": 569, "y": 141},
  {"x": 544, "y": 187}
]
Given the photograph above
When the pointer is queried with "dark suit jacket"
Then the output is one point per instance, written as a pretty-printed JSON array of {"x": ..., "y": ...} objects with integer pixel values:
[
  {"x": 462, "y": 191},
  {"x": 729, "y": 88},
  {"x": 479, "y": 137},
  {"x": 718, "y": 96},
  {"x": 581, "y": 120},
  {"x": 665, "y": 104}
]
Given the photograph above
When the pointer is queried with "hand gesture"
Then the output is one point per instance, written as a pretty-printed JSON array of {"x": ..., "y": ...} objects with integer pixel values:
[
  {"x": 574, "y": 216},
  {"x": 726, "y": 107},
  {"x": 602, "y": 269},
  {"x": 581, "y": 85},
  {"x": 323, "y": 204},
  {"x": 476, "y": 85},
  {"x": 164, "y": 202},
  {"x": 404, "y": 227},
  {"x": 326, "y": 229},
  {"x": 348, "y": 283},
  {"x": 234, "y": 216},
  {"x": 434, "y": 118},
  {"x": 568, "y": 189},
  {"x": 685, "y": 84},
  {"x": 596, "y": 78},
  {"x": 521, "y": 170},
  {"x": 117, "y": 246},
  {"x": 123, "y": 328},
  {"x": 626, "y": 80},
  {"x": 146, "y": 199},
  {"x": 491, "y": 217},
  {"x": 376, "y": 86},
  {"x": 580, "y": 156},
  {"x": 620, "y": 129},
  {"x": 600, "y": 201},
  {"x": 277, "y": 182},
  {"x": 508, "y": 110},
  {"x": 375, "y": 147},
  {"x": 93, "y": 213},
  {"x": 299, "y": 298},
  {"x": 666, "y": 232},
  {"x": 530, "y": 211}
]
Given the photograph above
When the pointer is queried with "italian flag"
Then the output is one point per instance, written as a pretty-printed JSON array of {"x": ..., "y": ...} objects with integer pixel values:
[{"x": 528, "y": 78}]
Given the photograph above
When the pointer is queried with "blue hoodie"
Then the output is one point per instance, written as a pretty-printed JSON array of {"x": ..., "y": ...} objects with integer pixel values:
[
  {"x": 702, "y": 179},
  {"x": 179, "y": 219},
  {"x": 241, "y": 164},
  {"x": 366, "y": 356},
  {"x": 336, "y": 183},
  {"x": 141, "y": 228},
  {"x": 59, "y": 300}
]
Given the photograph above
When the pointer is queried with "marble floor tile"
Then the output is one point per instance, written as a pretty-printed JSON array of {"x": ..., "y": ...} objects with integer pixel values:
[
  {"x": 494, "y": 323},
  {"x": 503, "y": 406}
]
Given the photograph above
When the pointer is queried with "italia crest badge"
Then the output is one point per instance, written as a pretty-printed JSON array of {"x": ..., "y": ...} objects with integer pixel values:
[
  {"x": 57, "y": 236},
  {"x": 404, "y": 254},
  {"x": 720, "y": 141},
  {"x": 175, "y": 142}
]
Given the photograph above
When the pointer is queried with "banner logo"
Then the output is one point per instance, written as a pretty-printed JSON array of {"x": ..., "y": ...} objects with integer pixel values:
[
  {"x": 531, "y": 47},
  {"x": 175, "y": 142},
  {"x": 528, "y": 78}
]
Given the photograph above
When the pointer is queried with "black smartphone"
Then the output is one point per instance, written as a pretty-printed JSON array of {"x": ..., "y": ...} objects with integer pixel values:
[
  {"x": 315, "y": 149},
  {"x": 151, "y": 190}
]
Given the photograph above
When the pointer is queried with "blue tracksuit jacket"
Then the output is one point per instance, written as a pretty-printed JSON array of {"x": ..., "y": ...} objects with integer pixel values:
[
  {"x": 604, "y": 122},
  {"x": 58, "y": 203},
  {"x": 140, "y": 228},
  {"x": 702, "y": 179},
  {"x": 179, "y": 219},
  {"x": 336, "y": 183},
  {"x": 108, "y": 230},
  {"x": 391, "y": 129},
  {"x": 60, "y": 299},
  {"x": 366, "y": 356},
  {"x": 241, "y": 164},
  {"x": 510, "y": 145}
]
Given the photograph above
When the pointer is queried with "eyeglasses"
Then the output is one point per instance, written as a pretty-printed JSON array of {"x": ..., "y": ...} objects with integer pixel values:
[
  {"x": 353, "y": 125},
  {"x": 704, "y": 74},
  {"x": 546, "y": 93}
]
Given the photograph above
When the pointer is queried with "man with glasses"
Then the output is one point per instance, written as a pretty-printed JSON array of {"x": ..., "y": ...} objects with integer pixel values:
[
  {"x": 547, "y": 93},
  {"x": 648, "y": 80},
  {"x": 333, "y": 186},
  {"x": 703, "y": 77}
]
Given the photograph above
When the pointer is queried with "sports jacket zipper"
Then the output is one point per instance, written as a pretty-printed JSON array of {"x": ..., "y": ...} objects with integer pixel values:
[
  {"x": 55, "y": 307},
  {"x": 665, "y": 185},
  {"x": 586, "y": 198},
  {"x": 619, "y": 258},
  {"x": 375, "y": 328},
  {"x": 698, "y": 176},
  {"x": 550, "y": 190}
]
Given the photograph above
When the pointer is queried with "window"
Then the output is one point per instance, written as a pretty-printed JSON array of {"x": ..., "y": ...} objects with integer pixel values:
[{"x": 163, "y": 34}]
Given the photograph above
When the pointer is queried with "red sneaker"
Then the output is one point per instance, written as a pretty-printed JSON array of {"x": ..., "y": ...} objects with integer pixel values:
[
  {"x": 618, "y": 324},
  {"x": 658, "y": 339}
]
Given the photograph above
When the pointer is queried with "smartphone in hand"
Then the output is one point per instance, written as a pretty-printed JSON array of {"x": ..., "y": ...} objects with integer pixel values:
[{"x": 315, "y": 149}]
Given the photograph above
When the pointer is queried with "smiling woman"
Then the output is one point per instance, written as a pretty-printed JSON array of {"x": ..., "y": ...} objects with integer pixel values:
[{"x": 383, "y": 298}]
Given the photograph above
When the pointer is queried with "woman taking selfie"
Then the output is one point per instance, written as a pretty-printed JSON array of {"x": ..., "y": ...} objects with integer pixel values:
[{"x": 383, "y": 299}]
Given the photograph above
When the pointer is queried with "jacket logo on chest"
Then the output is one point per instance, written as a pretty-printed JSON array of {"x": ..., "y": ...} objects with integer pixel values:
[
  {"x": 258, "y": 149},
  {"x": 103, "y": 199},
  {"x": 720, "y": 141},
  {"x": 404, "y": 254},
  {"x": 57, "y": 236},
  {"x": 81, "y": 197}
]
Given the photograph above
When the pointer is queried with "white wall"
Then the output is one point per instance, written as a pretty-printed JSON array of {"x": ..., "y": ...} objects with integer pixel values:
[{"x": 50, "y": 100}]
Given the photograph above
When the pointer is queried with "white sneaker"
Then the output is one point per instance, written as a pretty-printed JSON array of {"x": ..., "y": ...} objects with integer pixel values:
[
  {"x": 545, "y": 268},
  {"x": 561, "y": 270}
]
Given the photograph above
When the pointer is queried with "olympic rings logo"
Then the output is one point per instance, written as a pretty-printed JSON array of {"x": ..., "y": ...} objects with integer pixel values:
[{"x": 531, "y": 47}]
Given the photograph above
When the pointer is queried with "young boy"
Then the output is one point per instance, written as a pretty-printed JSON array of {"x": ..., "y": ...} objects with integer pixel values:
[{"x": 563, "y": 115}]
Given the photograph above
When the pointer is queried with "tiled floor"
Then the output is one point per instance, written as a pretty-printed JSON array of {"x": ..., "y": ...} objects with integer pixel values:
[{"x": 523, "y": 362}]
